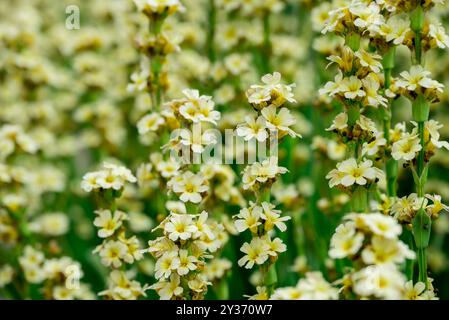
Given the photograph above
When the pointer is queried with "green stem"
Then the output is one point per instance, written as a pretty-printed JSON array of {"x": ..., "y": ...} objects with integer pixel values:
[
  {"x": 264, "y": 195},
  {"x": 421, "y": 223},
  {"x": 212, "y": 16},
  {"x": 266, "y": 42},
  {"x": 417, "y": 24},
  {"x": 270, "y": 278},
  {"x": 410, "y": 263},
  {"x": 155, "y": 27},
  {"x": 418, "y": 49},
  {"x": 422, "y": 262},
  {"x": 359, "y": 199},
  {"x": 352, "y": 40},
  {"x": 392, "y": 174},
  {"x": 420, "y": 164},
  {"x": 222, "y": 289},
  {"x": 191, "y": 208},
  {"x": 391, "y": 166}
]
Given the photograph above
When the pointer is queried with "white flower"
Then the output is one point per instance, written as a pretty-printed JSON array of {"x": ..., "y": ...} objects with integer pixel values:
[
  {"x": 256, "y": 252},
  {"x": 167, "y": 263},
  {"x": 372, "y": 148},
  {"x": 345, "y": 241},
  {"x": 340, "y": 122},
  {"x": 276, "y": 245},
  {"x": 272, "y": 217},
  {"x": 121, "y": 287},
  {"x": 381, "y": 281},
  {"x": 198, "y": 108},
  {"x": 262, "y": 172},
  {"x": 280, "y": 121},
  {"x": 197, "y": 140},
  {"x": 379, "y": 224},
  {"x": 316, "y": 287},
  {"x": 331, "y": 88},
  {"x": 396, "y": 29},
  {"x": 413, "y": 292},
  {"x": 151, "y": 122},
  {"x": 180, "y": 227},
  {"x": 186, "y": 262},
  {"x": 271, "y": 81},
  {"x": 51, "y": 224},
  {"x": 111, "y": 177},
  {"x": 6, "y": 275},
  {"x": 437, "y": 205},
  {"x": 369, "y": 60},
  {"x": 383, "y": 250},
  {"x": 371, "y": 86},
  {"x": 168, "y": 168},
  {"x": 352, "y": 88},
  {"x": 418, "y": 77},
  {"x": 139, "y": 81},
  {"x": 438, "y": 33},
  {"x": 406, "y": 148},
  {"x": 259, "y": 97},
  {"x": 354, "y": 173},
  {"x": 108, "y": 222},
  {"x": 249, "y": 218},
  {"x": 90, "y": 181},
  {"x": 176, "y": 207},
  {"x": 253, "y": 129},
  {"x": 168, "y": 289},
  {"x": 203, "y": 228},
  {"x": 31, "y": 257},
  {"x": 112, "y": 252},
  {"x": 190, "y": 187}
]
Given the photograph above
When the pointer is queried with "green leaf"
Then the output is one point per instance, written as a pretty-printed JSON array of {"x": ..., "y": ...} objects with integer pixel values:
[{"x": 421, "y": 229}]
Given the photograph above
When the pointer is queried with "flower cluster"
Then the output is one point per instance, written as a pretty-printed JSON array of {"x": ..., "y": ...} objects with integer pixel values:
[
  {"x": 260, "y": 220},
  {"x": 406, "y": 208},
  {"x": 181, "y": 255},
  {"x": 111, "y": 177},
  {"x": 350, "y": 173},
  {"x": 312, "y": 287},
  {"x": 153, "y": 89},
  {"x": 261, "y": 217},
  {"x": 116, "y": 248},
  {"x": 60, "y": 277},
  {"x": 373, "y": 240}
]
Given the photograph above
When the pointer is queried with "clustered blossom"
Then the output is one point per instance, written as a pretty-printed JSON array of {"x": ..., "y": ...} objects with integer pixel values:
[
  {"x": 161, "y": 7},
  {"x": 14, "y": 138},
  {"x": 111, "y": 177},
  {"x": 349, "y": 173},
  {"x": 383, "y": 22},
  {"x": 116, "y": 249},
  {"x": 258, "y": 174},
  {"x": 417, "y": 82},
  {"x": 260, "y": 220},
  {"x": 261, "y": 217},
  {"x": 152, "y": 109},
  {"x": 60, "y": 276},
  {"x": 373, "y": 240},
  {"x": 267, "y": 99},
  {"x": 405, "y": 209},
  {"x": 312, "y": 287},
  {"x": 359, "y": 87},
  {"x": 190, "y": 238},
  {"x": 364, "y": 78},
  {"x": 181, "y": 254}
]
